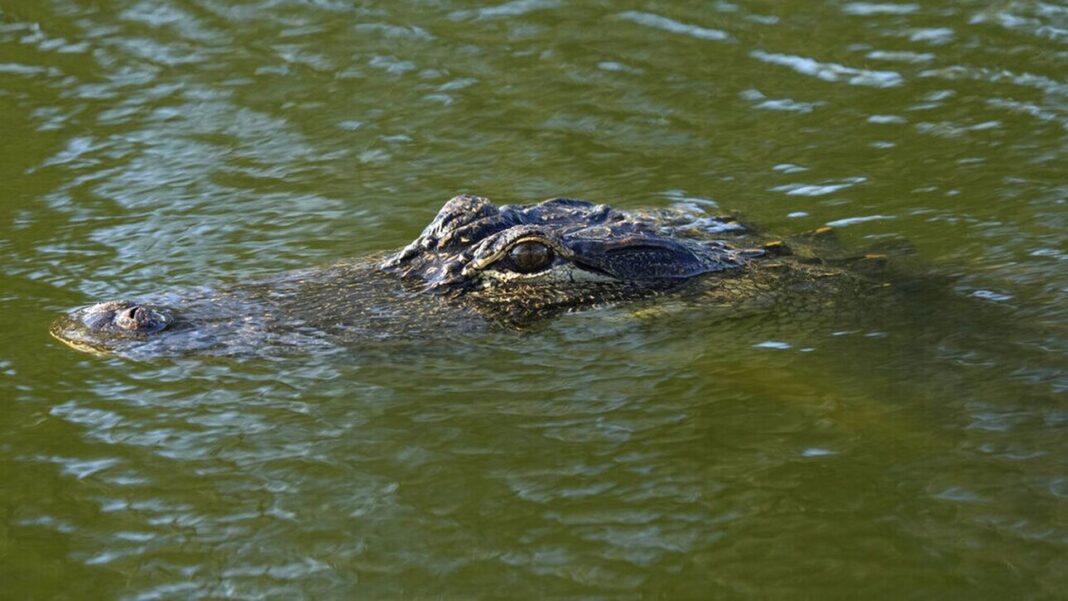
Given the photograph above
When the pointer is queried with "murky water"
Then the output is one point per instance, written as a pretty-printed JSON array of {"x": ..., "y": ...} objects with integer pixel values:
[{"x": 157, "y": 145}]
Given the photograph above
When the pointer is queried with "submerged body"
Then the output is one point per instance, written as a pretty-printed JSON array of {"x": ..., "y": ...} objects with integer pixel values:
[{"x": 475, "y": 265}]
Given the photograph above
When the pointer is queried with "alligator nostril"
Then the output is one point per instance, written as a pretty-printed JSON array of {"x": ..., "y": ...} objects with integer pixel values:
[{"x": 134, "y": 318}]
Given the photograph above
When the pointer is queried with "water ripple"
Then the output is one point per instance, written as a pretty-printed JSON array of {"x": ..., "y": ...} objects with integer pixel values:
[
  {"x": 871, "y": 8},
  {"x": 673, "y": 26},
  {"x": 514, "y": 8},
  {"x": 831, "y": 71}
]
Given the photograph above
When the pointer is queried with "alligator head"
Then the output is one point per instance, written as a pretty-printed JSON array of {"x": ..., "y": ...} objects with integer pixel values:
[
  {"x": 513, "y": 264},
  {"x": 527, "y": 262}
]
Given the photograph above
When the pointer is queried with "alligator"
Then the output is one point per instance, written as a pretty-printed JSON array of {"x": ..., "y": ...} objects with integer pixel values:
[{"x": 475, "y": 265}]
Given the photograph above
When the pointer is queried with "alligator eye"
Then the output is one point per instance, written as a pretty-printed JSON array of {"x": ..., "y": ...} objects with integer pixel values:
[{"x": 530, "y": 257}]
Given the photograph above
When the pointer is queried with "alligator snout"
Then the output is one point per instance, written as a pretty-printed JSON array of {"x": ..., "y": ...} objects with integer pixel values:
[{"x": 124, "y": 316}]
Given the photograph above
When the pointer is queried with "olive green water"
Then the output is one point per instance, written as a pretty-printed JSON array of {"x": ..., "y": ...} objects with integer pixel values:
[{"x": 160, "y": 144}]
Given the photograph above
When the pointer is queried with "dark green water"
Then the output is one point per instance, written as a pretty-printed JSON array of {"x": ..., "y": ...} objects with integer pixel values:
[{"x": 161, "y": 144}]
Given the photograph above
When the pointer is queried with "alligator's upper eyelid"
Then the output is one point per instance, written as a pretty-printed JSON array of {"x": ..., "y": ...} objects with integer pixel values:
[{"x": 555, "y": 245}]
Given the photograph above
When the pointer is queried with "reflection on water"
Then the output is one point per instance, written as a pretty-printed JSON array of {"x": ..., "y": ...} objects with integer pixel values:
[{"x": 914, "y": 449}]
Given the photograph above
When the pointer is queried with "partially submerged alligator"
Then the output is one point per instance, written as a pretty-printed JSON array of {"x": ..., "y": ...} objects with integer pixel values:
[{"x": 475, "y": 264}]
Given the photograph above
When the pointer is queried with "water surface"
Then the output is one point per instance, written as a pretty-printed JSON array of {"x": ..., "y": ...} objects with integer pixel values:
[{"x": 913, "y": 453}]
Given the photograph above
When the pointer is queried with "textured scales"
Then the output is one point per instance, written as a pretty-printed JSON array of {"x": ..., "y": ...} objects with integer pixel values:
[{"x": 470, "y": 230}]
